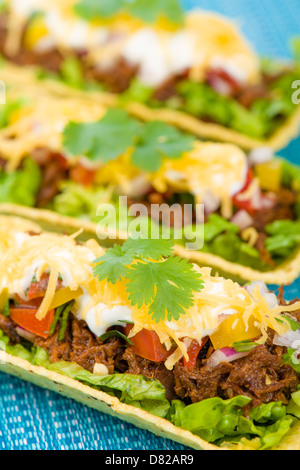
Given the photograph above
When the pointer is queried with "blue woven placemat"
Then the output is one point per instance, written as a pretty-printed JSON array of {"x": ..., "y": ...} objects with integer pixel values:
[{"x": 36, "y": 419}]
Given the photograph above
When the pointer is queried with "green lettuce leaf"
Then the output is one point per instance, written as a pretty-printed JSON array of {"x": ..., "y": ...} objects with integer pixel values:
[
  {"x": 216, "y": 225},
  {"x": 202, "y": 101},
  {"x": 274, "y": 433},
  {"x": 133, "y": 390},
  {"x": 290, "y": 175},
  {"x": 76, "y": 200},
  {"x": 284, "y": 237},
  {"x": 213, "y": 418},
  {"x": 268, "y": 412},
  {"x": 7, "y": 110},
  {"x": 72, "y": 73},
  {"x": 222, "y": 421},
  {"x": 21, "y": 186},
  {"x": 293, "y": 407}
]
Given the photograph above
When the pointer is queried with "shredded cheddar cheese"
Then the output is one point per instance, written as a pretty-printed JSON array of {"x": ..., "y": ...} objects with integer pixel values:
[{"x": 41, "y": 121}]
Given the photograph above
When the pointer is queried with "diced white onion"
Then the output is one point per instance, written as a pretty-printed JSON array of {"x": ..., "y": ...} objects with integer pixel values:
[
  {"x": 100, "y": 369},
  {"x": 263, "y": 289},
  {"x": 242, "y": 219},
  {"x": 260, "y": 155},
  {"x": 225, "y": 355},
  {"x": 138, "y": 187},
  {"x": 291, "y": 339},
  {"x": 271, "y": 299},
  {"x": 211, "y": 202},
  {"x": 25, "y": 334}
]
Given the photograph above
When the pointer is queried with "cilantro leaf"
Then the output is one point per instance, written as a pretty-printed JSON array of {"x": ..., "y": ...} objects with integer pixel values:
[
  {"x": 112, "y": 265},
  {"x": 117, "y": 131},
  {"x": 167, "y": 286},
  {"x": 113, "y": 334},
  {"x": 151, "y": 249},
  {"x": 294, "y": 324},
  {"x": 245, "y": 346},
  {"x": 292, "y": 360},
  {"x": 104, "y": 140},
  {"x": 148, "y": 10},
  {"x": 91, "y": 9},
  {"x": 151, "y": 10},
  {"x": 159, "y": 140}
]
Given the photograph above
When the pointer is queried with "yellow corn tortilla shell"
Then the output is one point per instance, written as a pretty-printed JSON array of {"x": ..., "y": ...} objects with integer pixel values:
[
  {"x": 210, "y": 131},
  {"x": 110, "y": 405},
  {"x": 286, "y": 273},
  {"x": 26, "y": 77}
]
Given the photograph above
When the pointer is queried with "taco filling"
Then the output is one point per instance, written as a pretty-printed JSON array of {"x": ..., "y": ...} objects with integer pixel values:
[
  {"x": 48, "y": 160},
  {"x": 186, "y": 346},
  {"x": 151, "y": 53}
]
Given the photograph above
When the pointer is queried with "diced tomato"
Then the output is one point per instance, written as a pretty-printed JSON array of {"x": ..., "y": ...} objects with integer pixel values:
[
  {"x": 193, "y": 352},
  {"x": 147, "y": 345},
  {"x": 82, "y": 175},
  {"x": 257, "y": 201},
  {"x": 38, "y": 289},
  {"x": 244, "y": 204},
  {"x": 222, "y": 82},
  {"x": 250, "y": 177},
  {"x": 26, "y": 318},
  {"x": 61, "y": 160},
  {"x": 32, "y": 303}
]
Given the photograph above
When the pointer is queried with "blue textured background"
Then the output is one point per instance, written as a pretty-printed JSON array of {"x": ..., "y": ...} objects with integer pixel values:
[{"x": 32, "y": 418}]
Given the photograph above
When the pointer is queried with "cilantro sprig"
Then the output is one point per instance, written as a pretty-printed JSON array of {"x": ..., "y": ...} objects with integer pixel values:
[
  {"x": 154, "y": 277},
  {"x": 103, "y": 140},
  {"x": 147, "y": 10},
  {"x": 117, "y": 132}
]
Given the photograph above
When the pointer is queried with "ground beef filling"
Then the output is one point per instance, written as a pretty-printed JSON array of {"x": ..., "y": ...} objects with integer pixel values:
[{"x": 260, "y": 375}]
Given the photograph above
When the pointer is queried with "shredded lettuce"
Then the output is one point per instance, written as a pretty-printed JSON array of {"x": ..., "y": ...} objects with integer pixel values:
[
  {"x": 75, "y": 200},
  {"x": 222, "y": 421},
  {"x": 214, "y": 418},
  {"x": 284, "y": 237},
  {"x": 7, "y": 111},
  {"x": 290, "y": 175},
  {"x": 21, "y": 186},
  {"x": 135, "y": 390},
  {"x": 202, "y": 101},
  {"x": 72, "y": 72},
  {"x": 293, "y": 407}
]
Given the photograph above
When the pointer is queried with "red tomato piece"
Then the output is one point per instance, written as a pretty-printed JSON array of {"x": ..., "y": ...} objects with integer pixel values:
[
  {"x": 251, "y": 205},
  {"x": 38, "y": 289},
  {"x": 26, "y": 318},
  {"x": 147, "y": 345},
  {"x": 82, "y": 175},
  {"x": 193, "y": 352}
]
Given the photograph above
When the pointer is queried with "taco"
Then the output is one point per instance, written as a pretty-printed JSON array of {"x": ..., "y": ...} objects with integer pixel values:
[
  {"x": 148, "y": 337},
  {"x": 64, "y": 173},
  {"x": 193, "y": 70}
]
